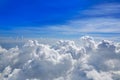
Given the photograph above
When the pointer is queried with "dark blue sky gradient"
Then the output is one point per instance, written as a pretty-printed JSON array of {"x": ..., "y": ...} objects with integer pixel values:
[
  {"x": 23, "y": 13},
  {"x": 40, "y": 13}
]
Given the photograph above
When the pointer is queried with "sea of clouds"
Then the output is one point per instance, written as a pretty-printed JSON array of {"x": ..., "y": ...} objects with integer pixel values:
[{"x": 64, "y": 60}]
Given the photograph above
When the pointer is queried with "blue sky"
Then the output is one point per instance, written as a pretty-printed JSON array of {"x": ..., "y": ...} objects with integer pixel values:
[{"x": 59, "y": 19}]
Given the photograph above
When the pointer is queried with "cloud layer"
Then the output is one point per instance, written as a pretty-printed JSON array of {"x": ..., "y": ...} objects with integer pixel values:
[{"x": 62, "y": 61}]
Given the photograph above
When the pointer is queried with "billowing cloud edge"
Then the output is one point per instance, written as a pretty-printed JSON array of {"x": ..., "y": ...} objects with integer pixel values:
[{"x": 61, "y": 61}]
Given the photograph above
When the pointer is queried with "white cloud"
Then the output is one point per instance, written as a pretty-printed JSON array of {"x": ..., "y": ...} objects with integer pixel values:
[
  {"x": 73, "y": 27},
  {"x": 94, "y": 25},
  {"x": 94, "y": 75},
  {"x": 62, "y": 61}
]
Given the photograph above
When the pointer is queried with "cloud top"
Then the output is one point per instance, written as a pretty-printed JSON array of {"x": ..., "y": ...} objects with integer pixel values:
[{"x": 61, "y": 61}]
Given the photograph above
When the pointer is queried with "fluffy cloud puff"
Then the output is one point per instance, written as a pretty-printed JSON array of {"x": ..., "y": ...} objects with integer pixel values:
[{"x": 62, "y": 61}]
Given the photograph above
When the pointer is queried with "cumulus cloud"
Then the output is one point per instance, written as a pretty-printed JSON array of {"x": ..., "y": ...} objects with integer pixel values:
[{"x": 61, "y": 61}]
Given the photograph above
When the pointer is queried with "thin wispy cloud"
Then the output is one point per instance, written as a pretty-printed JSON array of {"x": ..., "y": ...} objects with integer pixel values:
[
  {"x": 103, "y": 10},
  {"x": 76, "y": 27},
  {"x": 91, "y": 25}
]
